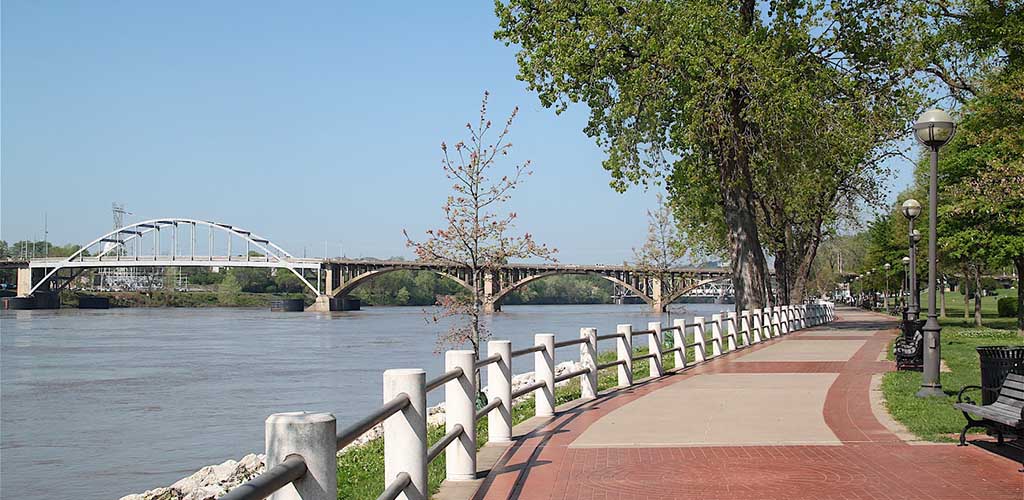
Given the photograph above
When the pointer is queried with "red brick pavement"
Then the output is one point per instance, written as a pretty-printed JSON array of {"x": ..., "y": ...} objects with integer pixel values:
[{"x": 871, "y": 464}]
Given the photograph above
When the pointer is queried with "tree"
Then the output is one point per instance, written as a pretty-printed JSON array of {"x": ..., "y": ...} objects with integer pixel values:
[
  {"x": 762, "y": 124},
  {"x": 663, "y": 250},
  {"x": 476, "y": 236},
  {"x": 981, "y": 204}
]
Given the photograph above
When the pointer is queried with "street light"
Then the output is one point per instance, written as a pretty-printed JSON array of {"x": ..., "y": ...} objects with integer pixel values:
[
  {"x": 885, "y": 298},
  {"x": 911, "y": 209},
  {"x": 906, "y": 285},
  {"x": 933, "y": 129}
]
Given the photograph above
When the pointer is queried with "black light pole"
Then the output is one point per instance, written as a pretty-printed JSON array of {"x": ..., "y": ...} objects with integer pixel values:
[
  {"x": 933, "y": 129},
  {"x": 906, "y": 286},
  {"x": 885, "y": 298},
  {"x": 911, "y": 209}
]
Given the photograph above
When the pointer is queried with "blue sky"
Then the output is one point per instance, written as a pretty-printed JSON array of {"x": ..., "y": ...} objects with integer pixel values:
[{"x": 306, "y": 122}]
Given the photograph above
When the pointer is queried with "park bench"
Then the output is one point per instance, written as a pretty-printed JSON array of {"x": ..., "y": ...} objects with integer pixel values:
[
  {"x": 1007, "y": 412},
  {"x": 909, "y": 347}
]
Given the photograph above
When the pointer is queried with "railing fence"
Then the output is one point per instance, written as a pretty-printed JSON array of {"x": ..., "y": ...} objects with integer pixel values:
[{"x": 301, "y": 448}]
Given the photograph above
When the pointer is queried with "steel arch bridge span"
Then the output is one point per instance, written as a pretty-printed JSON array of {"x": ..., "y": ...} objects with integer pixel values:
[
  {"x": 341, "y": 285},
  {"x": 127, "y": 247},
  {"x": 506, "y": 291}
]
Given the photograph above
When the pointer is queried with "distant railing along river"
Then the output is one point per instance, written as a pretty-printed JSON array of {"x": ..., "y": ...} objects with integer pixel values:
[{"x": 99, "y": 404}]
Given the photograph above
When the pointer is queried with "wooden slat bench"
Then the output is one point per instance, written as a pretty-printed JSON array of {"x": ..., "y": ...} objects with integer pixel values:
[{"x": 1006, "y": 412}]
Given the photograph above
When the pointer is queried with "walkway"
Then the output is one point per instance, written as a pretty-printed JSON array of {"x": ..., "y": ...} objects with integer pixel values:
[{"x": 787, "y": 419}]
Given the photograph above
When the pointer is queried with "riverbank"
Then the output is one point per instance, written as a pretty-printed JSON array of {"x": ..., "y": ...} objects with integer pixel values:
[{"x": 161, "y": 298}]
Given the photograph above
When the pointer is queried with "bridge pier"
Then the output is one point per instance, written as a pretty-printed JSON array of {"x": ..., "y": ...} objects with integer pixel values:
[{"x": 327, "y": 303}]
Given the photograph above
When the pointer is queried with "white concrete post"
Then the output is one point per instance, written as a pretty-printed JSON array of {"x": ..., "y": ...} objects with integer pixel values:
[
  {"x": 699, "y": 353},
  {"x": 748, "y": 338},
  {"x": 755, "y": 318},
  {"x": 679, "y": 342},
  {"x": 588, "y": 358},
  {"x": 654, "y": 347},
  {"x": 460, "y": 409},
  {"x": 730, "y": 321},
  {"x": 769, "y": 323},
  {"x": 405, "y": 432},
  {"x": 499, "y": 385},
  {"x": 544, "y": 371},
  {"x": 313, "y": 436},
  {"x": 784, "y": 319},
  {"x": 624, "y": 350},
  {"x": 716, "y": 335}
]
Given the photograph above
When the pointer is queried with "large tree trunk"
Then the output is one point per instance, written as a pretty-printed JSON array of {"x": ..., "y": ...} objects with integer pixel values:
[
  {"x": 747, "y": 258},
  {"x": 1018, "y": 263}
]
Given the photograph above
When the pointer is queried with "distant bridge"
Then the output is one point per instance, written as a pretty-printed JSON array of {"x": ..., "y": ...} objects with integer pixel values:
[{"x": 182, "y": 242}]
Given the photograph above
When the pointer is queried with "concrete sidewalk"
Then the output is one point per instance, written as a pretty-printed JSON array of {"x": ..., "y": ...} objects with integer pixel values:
[{"x": 788, "y": 419}]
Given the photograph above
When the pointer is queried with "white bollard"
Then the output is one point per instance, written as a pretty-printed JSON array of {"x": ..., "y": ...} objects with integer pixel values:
[
  {"x": 588, "y": 358},
  {"x": 624, "y": 351},
  {"x": 405, "y": 432},
  {"x": 716, "y": 335},
  {"x": 544, "y": 371},
  {"x": 731, "y": 339},
  {"x": 460, "y": 409},
  {"x": 755, "y": 318},
  {"x": 654, "y": 347},
  {"x": 679, "y": 342},
  {"x": 699, "y": 353},
  {"x": 313, "y": 436},
  {"x": 784, "y": 319},
  {"x": 748, "y": 338},
  {"x": 499, "y": 385}
]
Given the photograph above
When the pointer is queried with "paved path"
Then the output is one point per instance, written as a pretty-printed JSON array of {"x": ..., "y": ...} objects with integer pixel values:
[{"x": 789, "y": 419}]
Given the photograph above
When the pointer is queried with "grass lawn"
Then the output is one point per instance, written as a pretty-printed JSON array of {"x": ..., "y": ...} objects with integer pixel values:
[{"x": 934, "y": 419}]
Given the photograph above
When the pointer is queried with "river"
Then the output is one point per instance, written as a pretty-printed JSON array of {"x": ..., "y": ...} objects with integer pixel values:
[{"x": 96, "y": 404}]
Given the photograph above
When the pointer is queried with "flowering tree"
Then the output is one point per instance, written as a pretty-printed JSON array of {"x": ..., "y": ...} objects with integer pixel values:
[{"x": 476, "y": 236}]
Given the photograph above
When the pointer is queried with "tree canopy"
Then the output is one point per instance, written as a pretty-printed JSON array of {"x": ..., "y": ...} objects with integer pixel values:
[{"x": 767, "y": 122}]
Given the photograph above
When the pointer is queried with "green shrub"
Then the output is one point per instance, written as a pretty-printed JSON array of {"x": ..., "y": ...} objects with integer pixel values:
[{"x": 1007, "y": 307}]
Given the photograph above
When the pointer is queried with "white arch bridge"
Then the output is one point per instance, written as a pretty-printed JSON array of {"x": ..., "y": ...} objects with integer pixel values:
[{"x": 183, "y": 242}]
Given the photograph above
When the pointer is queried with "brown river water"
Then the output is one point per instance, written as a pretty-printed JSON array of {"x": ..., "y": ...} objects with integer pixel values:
[{"x": 96, "y": 404}]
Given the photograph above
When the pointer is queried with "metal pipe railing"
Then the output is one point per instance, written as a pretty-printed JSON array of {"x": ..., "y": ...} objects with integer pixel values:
[
  {"x": 488, "y": 360},
  {"x": 350, "y": 433},
  {"x": 611, "y": 364},
  {"x": 401, "y": 482},
  {"x": 528, "y": 389},
  {"x": 576, "y": 373},
  {"x": 441, "y": 444},
  {"x": 527, "y": 350},
  {"x": 442, "y": 379},
  {"x": 567, "y": 343},
  {"x": 264, "y": 485},
  {"x": 482, "y": 412}
]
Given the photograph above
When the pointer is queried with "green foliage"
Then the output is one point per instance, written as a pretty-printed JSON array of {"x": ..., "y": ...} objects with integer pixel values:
[
  {"x": 767, "y": 128},
  {"x": 1007, "y": 307},
  {"x": 32, "y": 249}
]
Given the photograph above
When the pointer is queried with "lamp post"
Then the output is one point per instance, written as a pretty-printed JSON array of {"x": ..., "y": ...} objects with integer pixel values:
[
  {"x": 885, "y": 298},
  {"x": 933, "y": 129},
  {"x": 911, "y": 209},
  {"x": 906, "y": 286}
]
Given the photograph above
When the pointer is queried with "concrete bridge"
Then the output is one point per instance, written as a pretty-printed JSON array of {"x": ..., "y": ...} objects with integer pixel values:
[{"x": 183, "y": 242}]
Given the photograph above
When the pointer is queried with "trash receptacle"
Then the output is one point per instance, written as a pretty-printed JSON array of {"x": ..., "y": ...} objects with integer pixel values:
[{"x": 996, "y": 363}]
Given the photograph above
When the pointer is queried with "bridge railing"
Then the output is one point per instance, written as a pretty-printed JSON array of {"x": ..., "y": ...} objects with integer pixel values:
[{"x": 302, "y": 448}]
